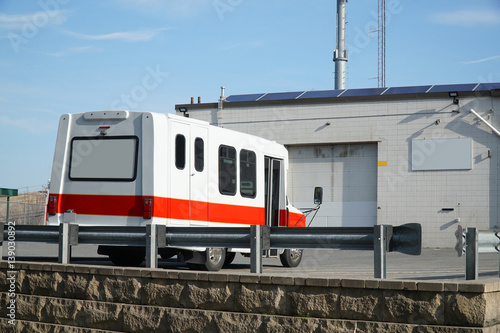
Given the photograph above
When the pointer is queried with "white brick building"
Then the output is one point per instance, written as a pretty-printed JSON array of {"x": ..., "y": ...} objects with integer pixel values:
[{"x": 383, "y": 155}]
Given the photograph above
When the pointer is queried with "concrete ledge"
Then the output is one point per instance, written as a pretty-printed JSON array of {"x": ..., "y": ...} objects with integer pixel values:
[
  {"x": 466, "y": 304},
  {"x": 465, "y": 286}
]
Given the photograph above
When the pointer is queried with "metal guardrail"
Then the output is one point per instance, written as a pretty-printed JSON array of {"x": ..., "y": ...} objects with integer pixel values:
[
  {"x": 471, "y": 242},
  {"x": 380, "y": 238}
]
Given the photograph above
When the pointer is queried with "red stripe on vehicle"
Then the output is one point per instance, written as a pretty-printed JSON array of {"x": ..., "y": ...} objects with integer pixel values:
[
  {"x": 109, "y": 205},
  {"x": 236, "y": 214},
  {"x": 296, "y": 220},
  {"x": 123, "y": 205}
]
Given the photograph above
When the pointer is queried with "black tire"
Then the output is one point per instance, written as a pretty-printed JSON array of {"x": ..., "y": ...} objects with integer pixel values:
[
  {"x": 291, "y": 257},
  {"x": 127, "y": 257},
  {"x": 229, "y": 258},
  {"x": 214, "y": 259}
]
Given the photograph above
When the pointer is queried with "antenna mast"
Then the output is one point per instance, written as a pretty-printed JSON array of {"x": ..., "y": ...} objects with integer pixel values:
[
  {"x": 381, "y": 43},
  {"x": 340, "y": 53}
]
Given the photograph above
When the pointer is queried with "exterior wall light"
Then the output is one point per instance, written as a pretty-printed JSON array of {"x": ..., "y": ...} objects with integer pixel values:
[
  {"x": 184, "y": 111},
  {"x": 454, "y": 95}
]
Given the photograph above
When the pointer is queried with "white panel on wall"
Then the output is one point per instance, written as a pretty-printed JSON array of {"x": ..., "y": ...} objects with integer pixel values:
[{"x": 441, "y": 154}]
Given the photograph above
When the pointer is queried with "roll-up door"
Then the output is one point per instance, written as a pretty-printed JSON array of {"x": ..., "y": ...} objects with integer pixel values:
[{"x": 348, "y": 175}]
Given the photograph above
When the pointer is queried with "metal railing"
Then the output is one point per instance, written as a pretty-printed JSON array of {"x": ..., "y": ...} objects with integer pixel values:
[
  {"x": 23, "y": 212},
  {"x": 380, "y": 238},
  {"x": 471, "y": 242}
]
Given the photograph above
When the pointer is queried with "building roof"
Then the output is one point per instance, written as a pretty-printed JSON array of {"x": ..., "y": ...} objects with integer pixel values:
[
  {"x": 343, "y": 95},
  {"x": 302, "y": 95}
]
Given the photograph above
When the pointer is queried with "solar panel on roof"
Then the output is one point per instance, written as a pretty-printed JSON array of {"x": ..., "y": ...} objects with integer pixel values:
[
  {"x": 243, "y": 98},
  {"x": 452, "y": 87},
  {"x": 282, "y": 95},
  {"x": 407, "y": 90},
  {"x": 488, "y": 86},
  {"x": 363, "y": 92},
  {"x": 321, "y": 94}
]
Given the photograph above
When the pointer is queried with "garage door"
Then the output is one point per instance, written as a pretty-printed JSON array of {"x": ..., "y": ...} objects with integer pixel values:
[{"x": 348, "y": 175}]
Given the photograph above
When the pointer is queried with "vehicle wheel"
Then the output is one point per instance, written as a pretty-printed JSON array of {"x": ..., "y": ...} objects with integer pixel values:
[
  {"x": 291, "y": 257},
  {"x": 215, "y": 258},
  {"x": 229, "y": 258},
  {"x": 127, "y": 257}
]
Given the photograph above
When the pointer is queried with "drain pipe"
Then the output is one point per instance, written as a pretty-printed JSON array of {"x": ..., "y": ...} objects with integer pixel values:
[{"x": 484, "y": 121}]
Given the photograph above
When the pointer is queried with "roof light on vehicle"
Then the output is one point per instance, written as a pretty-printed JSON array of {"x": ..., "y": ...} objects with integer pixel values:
[{"x": 105, "y": 115}]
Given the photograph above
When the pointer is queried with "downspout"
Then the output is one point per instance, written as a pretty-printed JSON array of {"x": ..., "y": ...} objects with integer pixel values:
[{"x": 484, "y": 121}]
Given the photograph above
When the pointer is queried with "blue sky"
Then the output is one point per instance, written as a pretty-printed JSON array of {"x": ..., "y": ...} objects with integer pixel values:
[{"x": 67, "y": 56}]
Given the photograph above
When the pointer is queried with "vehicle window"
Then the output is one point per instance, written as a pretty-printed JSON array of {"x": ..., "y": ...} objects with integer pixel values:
[
  {"x": 199, "y": 158},
  {"x": 248, "y": 174},
  {"x": 103, "y": 158},
  {"x": 227, "y": 170},
  {"x": 180, "y": 151}
]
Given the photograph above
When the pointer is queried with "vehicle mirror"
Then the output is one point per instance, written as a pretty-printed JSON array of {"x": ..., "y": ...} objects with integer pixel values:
[{"x": 318, "y": 195}]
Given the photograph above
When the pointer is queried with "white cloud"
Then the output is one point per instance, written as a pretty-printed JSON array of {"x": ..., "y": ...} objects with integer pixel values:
[
  {"x": 481, "y": 60},
  {"x": 74, "y": 50},
  {"x": 468, "y": 18},
  {"x": 126, "y": 36},
  {"x": 29, "y": 124},
  {"x": 175, "y": 8},
  {"x": 37, "y": 19}
]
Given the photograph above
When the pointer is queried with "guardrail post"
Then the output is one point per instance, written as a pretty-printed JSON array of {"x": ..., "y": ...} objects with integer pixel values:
[
  {"x": 266, "y": 237},
  {"x": 256, "y": 249},
  {"x": 7, "y": 213},
  {"x": 471, "y": 254},
  {"x": 2, "y": 229},
  {"x": 156, "y": 236},
  {"x": 68, "y": 236},
  {"x": 380, "y": 249}
]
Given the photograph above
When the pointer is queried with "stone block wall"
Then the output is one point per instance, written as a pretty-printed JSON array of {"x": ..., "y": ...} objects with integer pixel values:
[{"x": 80, "y": 298}]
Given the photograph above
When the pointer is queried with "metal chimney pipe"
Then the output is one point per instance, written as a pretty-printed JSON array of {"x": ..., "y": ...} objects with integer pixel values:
[
  {"x": 340, "y": 53},
  {"x": 220, "y": 106}
]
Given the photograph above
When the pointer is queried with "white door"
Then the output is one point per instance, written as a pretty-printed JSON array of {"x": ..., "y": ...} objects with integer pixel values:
[
  {"x": 275, "y": 203},
  {"x": 199, "y": 176}
]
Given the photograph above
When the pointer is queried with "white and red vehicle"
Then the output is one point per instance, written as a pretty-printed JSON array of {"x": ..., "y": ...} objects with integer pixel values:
[{"x": 124, "y": 168}]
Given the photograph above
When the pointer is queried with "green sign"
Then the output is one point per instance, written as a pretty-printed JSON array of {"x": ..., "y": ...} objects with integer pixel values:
[{"x": 8, "y": 192}]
